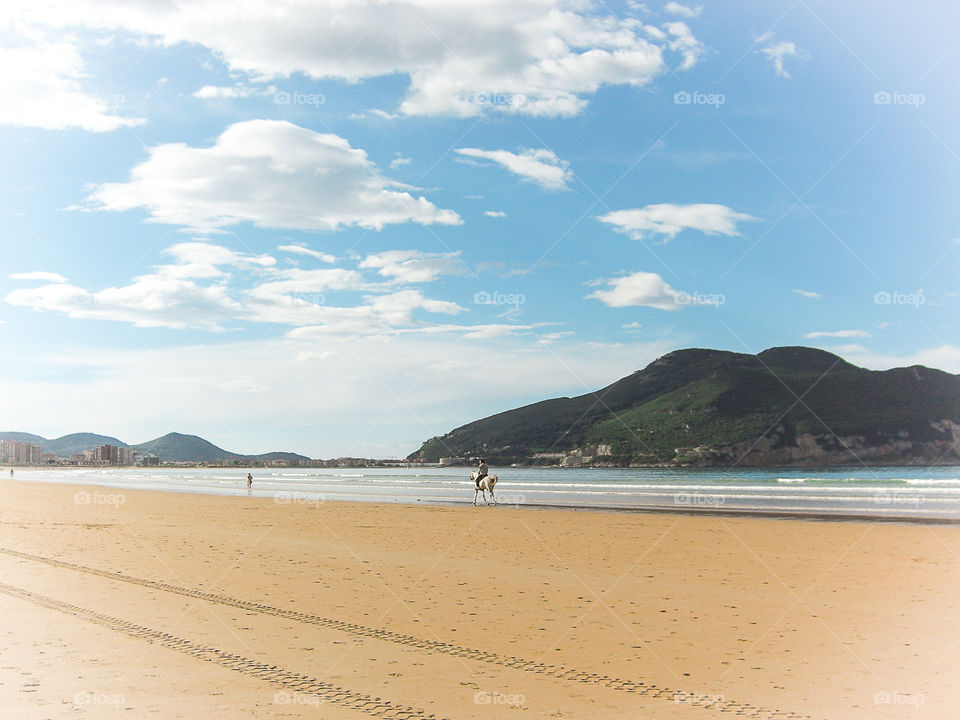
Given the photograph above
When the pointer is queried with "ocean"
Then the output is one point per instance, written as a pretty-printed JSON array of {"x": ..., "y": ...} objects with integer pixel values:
[{"x": 921, "y": 493}]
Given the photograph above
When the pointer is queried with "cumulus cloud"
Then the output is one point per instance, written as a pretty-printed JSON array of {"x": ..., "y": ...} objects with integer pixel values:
[
  {"x": 150, "y": 301},
  {"x": 686, "y": 11},
  {"x": 838, "y": 334},
  {"x": 302, "y": 250},
  {"x": 270, "y": 173},
  {"x": 535, "y": 57},
  {"x": 776, "y": 52},
  {"x": 668, "y": 220},
  {"x": 682, "y": 41},
  {"x": 39, "y": 275},
  {"x": 412, "y": 266},
  {"x": 540, "y": 166},
  {"x": 212, "y": 287},
  {"x": 41, "y": 87},
  {"x": 638, "y": 289},
  {"x": 217, "y": 92}
]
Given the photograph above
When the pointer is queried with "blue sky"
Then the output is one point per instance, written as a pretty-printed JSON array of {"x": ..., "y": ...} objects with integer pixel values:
[{"x": 341, "y": 229}]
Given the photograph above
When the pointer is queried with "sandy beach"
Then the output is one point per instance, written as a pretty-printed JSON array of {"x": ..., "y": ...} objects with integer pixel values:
[{"x": 122, "y": 603}]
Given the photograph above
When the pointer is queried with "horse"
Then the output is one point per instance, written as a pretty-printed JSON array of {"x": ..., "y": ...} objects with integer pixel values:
[{"x": 486, "y": 484}]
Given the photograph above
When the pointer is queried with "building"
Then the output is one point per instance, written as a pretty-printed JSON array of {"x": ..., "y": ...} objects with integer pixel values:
[{"x": 14, "y": 452}]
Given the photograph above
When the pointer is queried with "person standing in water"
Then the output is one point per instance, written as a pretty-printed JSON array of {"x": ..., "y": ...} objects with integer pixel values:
[{"x": 249, "y": 481}]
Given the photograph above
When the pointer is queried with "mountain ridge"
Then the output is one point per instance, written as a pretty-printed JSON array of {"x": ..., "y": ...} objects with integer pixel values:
[
  {"x": 789, "y": 405},
  {"x": 172, "y": 447}
]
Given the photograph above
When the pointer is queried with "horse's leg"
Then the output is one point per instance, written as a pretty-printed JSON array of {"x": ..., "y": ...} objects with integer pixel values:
[
  {"x": 492, "y": 496},
  {"x": 475, "y": 492}
]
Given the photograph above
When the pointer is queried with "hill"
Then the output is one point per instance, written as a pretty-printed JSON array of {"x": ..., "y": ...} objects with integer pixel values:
[
  {"x": 78, "y": 442},
  {"x": 784, "y": 406},
  {"x": 172, "y": 447},
  {"x": 63, "y": 446},
  {"x": 176, "y": 447}
]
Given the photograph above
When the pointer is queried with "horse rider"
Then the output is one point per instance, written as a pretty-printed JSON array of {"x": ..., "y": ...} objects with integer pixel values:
[{"x": 481, "y": 472}]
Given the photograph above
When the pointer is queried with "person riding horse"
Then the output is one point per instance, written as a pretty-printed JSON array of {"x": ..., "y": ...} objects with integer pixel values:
[{"x": 481, "y": 472}]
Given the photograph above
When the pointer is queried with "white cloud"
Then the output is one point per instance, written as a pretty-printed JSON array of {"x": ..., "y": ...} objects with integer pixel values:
[
  {"x": 535, "y": 57},
  {"x": 212, "y": 287},
  {"x": 668, "y": 220},
  {"x": 151, "y": 301},
  {"x": 682, "y": 41},
  {"x": 808, "y": 293},
  {"x": 301, "y": 250},
  {"x": 39, "y": 275},
  {"x": 776, "y": 52},
  {"x": 838, "y": 334},
  {"x": 412, "y": 266},
  {"x": 495, "y": 213},
  {"x": 540, "y": 166},
  {"x": 683, "y": 10},
  {"x": 399, "y": 160},
  {"x": 216, "y": 92},
  {"x": 270, "y": 173},
  {"x": 551, "y": 338},
  {"x": 639, "y": 289},
  {"x": 41, "y": 87}
]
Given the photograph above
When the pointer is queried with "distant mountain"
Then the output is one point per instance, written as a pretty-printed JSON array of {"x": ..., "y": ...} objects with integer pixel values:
[
  {"x": 78, "y": 442},
  {"x": 23, "y": 437},
  {"x": 63, "y": 446},
  {"x": 175, "y": 447},
  {"x": 172, "y": 447},
  {"x": 784, "y": 406}
]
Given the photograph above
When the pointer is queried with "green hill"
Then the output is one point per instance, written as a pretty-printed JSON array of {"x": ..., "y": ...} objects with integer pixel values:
[
  {"x": 789, "y": 405},
  {"x": 176, "y": 447},
  {"x": 78, "y": 442}
]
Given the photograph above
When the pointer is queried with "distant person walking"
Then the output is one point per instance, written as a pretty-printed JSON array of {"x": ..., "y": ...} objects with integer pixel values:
[
  {"x": 481, "y": 471},
  {"x": 249, "y": 481}
]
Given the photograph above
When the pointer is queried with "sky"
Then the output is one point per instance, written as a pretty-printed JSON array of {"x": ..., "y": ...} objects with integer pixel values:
[{"x": 342, "y": 228}]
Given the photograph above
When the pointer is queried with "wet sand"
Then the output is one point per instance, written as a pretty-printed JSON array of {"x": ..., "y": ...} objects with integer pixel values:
[{"x": 120, "y": 603}]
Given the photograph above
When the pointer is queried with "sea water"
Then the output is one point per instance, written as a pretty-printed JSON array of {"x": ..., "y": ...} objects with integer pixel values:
[{"x": 901, "y": 492}]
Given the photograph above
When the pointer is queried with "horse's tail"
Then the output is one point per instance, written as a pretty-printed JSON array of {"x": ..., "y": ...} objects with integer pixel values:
[{"x": 493, "y": 481}]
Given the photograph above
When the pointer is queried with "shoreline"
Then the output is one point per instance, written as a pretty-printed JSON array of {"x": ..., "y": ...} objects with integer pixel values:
[{"x": 689, "y": 510}]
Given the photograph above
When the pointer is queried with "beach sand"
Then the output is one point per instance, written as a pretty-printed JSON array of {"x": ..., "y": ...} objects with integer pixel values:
[{"x": 135, "y": 604}]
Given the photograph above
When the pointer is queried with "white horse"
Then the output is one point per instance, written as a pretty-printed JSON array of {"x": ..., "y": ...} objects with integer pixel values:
[{"x": 486, "y": 484}]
